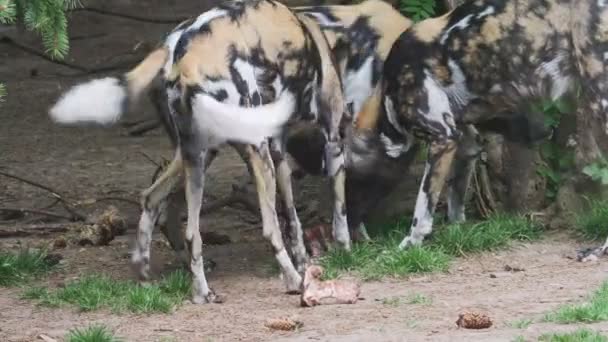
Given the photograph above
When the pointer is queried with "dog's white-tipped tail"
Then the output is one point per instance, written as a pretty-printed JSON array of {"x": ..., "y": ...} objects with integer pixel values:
[
  {"x": 251, "y": 125},
  {"x": 104, "y": 100}
]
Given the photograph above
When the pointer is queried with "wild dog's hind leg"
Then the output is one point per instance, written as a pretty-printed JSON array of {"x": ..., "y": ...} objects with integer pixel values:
[
  {"x": 440, "y": 158},
  {"x": 296, "y": 236},
  {"x": 171, "y": 223},
  {"x": 464, "y": 164},
  {"x": 195, "y": 181},
  {"x": 153, "y": 201},
  {"x": 264, "y": 175}
]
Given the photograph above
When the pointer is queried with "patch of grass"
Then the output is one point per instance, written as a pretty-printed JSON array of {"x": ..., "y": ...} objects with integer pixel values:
[
  {"x": 519, "y": 339},
  {"x": 17, "y": 269},
  {"x": 580, "y": 335},
  {"x": 521, "y": 323},
  {"x": 592, "y": 223},
  {"x": 93, "y": 292},
  {"x": 491, "y": 234},
  {"x": 381, "y": 257},
  {"x": 419, "y": 299},
  {"x": 594, "y": 310},
  {"x": 93, "y": 333},
  {"x": 376, "y": 259}
]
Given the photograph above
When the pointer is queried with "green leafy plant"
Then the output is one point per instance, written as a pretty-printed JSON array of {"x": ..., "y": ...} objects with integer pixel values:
[
  {"x": 47, "y": 18},
  {"x": 418, "y": 10},
  {"x": 558, "y": 160},
  {"x": 598, "y": 171}
]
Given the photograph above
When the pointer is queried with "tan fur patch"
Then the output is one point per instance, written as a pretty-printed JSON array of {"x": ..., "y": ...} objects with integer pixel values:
[
  {"x": 367, "y": 117},
  {"x": 144, "y": 72},
  {"x": 491, "y": 30},
  {"x": 429, "y": 30}
]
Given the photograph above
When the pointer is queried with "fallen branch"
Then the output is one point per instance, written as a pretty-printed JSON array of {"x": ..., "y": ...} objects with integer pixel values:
[
  {"x": 144, "y": 127},
  {"x": 83, "y": 70},
  {"x": 67, "y": 206},
  {"x": 131, "y": 16},
  {"x": 37, "y": 212},
  {"x": 33, "y": 229}
]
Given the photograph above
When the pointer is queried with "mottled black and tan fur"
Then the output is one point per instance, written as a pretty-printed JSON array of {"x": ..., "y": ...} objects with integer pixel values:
[
  {"x": 237, "y": 74},
  {"x": 484, "y": 61}
]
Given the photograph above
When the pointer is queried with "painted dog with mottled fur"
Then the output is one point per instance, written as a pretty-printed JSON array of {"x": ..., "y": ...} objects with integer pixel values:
[
  {"x": 240, "y": 74},
  {"x": 484, "y": 61}
]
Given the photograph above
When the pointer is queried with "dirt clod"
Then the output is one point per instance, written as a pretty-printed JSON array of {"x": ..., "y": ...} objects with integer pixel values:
[
  {"x": 286, "y": 324},
  {"x": 473, "y": 320}
]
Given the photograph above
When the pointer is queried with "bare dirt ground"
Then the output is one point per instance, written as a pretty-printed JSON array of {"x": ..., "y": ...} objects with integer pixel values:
[{"x": 95, "y": 162}]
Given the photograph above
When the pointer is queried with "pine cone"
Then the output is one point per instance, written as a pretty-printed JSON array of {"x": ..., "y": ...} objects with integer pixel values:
[
  {"x": 473, "y": 320},
  {"x": 283, "y": 324}
]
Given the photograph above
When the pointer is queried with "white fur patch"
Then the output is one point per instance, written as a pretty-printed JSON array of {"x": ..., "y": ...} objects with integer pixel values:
[
  {"x": 249, "y": 75},
  {"x": 601, "y": 3},
  {"x": 324, "y": 20},
  {"x": 358, "y": 85},
  {"x": 99, "y": 101},
  {"x": 561, "y": 82},
  {"x": 207, "y": 17},
  {"x": 170, "y": 43},
  {"x": 438, "y": 104},
  {"x": 463, "y": 23},
  {"x": 391, "y": 115},
  {"x": 227, "y": 86},
  {"x": 220, "y": 122},
  {"x": 458, "y": 91},
  {"x": 488, "y": 11},
  {"x": 392, "y": 150}
]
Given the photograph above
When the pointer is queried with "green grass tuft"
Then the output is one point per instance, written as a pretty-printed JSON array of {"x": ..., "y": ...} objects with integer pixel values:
[
  {"x": 376, "y": 259},
  {"x": 93, "y": 333},
  {"x": 491, "y": 234},
  {"x": 419, "y": 299},
  {"x": 18, "y": 269},
  {"x": 93, "y": 292},
  {"x": 381, "y": 257},
  {"x": 592, "y": 223},
  {"x": 594, "y": 310},
  {"x": 580, "y": 335},
  {"x": 521, "y": 323}
]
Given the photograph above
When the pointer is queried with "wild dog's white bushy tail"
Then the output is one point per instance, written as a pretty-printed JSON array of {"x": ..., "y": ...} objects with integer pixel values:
[
  {"x": 104, "y": 100},
  {"x": 251, "y": 125}
]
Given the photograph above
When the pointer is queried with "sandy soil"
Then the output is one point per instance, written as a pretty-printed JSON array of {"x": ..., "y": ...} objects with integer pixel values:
[{"x": 93, "y": 162}]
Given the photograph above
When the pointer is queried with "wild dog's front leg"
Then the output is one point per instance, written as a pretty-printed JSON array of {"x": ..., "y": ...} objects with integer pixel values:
[
  {"x": 195, "y": 181},
  {"x": 440, "y": 158},
  {"x": 464, "y": 164},
  {"x": 296, "y": 236},
  {"x": 334, "y": 156},
  {"x": 264, "y": 174},
  {"x": 153, "y": 201}
]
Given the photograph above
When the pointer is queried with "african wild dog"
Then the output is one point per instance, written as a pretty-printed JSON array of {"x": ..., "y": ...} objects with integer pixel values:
[
  {"x": 236, "y": 74},
  {"x": 377, "y": 153},
  {"x": 483, "y": 61},
  {"x": 360, "y": 37}
]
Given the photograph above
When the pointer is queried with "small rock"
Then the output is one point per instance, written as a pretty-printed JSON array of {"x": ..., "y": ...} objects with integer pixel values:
[{"x": 492, "y": 275}]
